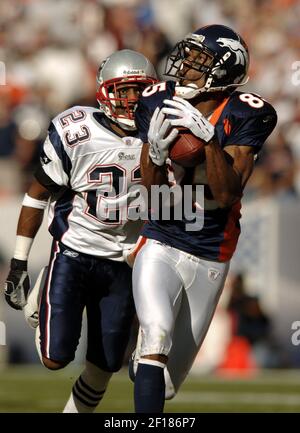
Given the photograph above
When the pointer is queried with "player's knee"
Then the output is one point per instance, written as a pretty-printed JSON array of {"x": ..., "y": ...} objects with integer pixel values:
[
  {"x": 109, "y": 363},
  {"x": 156, "y": 340},
  {"x": 113, "y": 365},
  {"x": 109, "y": 366},
  {"x": 114, "y": 345},
  {"x": 54, "y": 365},
  {"x": 156, "y": 357}
]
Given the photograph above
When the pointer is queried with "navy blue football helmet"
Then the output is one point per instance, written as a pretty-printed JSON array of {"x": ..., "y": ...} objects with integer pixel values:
[{"x": 224, "y": 60}]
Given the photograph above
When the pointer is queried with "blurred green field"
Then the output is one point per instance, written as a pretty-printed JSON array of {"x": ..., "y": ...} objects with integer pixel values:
[{"x": 34, "y": 389}]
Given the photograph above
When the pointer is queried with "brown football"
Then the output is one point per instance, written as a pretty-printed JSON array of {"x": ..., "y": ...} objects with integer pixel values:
[{"x": 187, "y": 150}]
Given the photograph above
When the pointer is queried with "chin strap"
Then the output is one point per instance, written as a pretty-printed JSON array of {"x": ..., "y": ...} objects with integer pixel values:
[
  {"x": 127, "y": 124},
  {"x": 127, "y": 127}
]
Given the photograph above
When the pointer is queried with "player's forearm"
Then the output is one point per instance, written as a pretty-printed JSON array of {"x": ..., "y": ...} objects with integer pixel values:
[
  {"x": 30, "y": 219},
  {"x": 29, "y": 222},
  {"x": 151, "y": 173},
  {"x": 223, "y": 180}
]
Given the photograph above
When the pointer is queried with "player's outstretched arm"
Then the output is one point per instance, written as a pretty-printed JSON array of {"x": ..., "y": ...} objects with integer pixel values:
[{"x": 17, "y": 283}]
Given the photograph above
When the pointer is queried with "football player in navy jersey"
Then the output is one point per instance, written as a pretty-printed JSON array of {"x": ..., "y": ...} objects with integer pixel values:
[
  {"x": 89, "y": 161},
  {"x": 179, "y": 274}
]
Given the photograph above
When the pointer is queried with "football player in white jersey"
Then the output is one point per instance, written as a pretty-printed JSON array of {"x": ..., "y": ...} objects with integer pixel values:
[{"x": 89, "y": 160}]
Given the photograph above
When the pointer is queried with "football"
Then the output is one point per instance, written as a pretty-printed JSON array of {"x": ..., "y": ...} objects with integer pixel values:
[{"x": 187, "y": 150}]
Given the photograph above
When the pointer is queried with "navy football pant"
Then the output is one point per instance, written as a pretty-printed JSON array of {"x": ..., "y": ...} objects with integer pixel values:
[{"x": 75, "y": 281}]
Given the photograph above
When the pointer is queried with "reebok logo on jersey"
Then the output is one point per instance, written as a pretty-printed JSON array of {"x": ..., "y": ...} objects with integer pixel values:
[
  {"x": 123, "y": 156},
  {"x": 213, "y": 274},
  {"x": 70, "y": 253}
]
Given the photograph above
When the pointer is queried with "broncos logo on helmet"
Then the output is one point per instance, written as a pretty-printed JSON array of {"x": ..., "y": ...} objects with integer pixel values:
[{"x": 236, "y": 47}]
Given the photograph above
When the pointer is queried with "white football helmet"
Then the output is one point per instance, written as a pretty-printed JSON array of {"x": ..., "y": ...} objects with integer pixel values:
[{"x": 122, "y": 68}]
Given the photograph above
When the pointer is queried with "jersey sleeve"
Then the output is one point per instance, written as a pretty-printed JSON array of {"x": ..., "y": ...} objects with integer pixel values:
[
  {"x": 249, "y": 126},
  {"x": 55, "y": 165},
  {"x": 142, "y": 119},
  {"x": 252, "y": 131},
  {"x": 152, "y": 97}
]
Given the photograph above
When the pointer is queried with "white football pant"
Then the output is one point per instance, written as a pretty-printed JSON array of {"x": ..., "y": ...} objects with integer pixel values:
[
  {"x": 31, "y": 309},
  {"x": 175, "y": 295}
]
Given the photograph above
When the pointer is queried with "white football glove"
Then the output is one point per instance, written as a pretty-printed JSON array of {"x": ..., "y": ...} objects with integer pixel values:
[
  {"x": 159, "y": 143},
  {"x": 189, "y": 117}
]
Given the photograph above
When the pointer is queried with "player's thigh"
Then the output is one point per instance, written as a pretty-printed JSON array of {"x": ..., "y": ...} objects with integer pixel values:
[
  {"x": 62, "y": 303},
  {"x": 157, "y": 289},
  {"x": 110, "y": 313},
  {"x": 198, "y": 305}
]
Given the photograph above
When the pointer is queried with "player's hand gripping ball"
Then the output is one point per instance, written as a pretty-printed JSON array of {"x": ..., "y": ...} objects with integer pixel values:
[{"x": 187, "y": 150}]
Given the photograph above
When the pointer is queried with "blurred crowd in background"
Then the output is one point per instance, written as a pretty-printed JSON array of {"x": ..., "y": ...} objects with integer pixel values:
[{"x": 50, "y": 51}]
